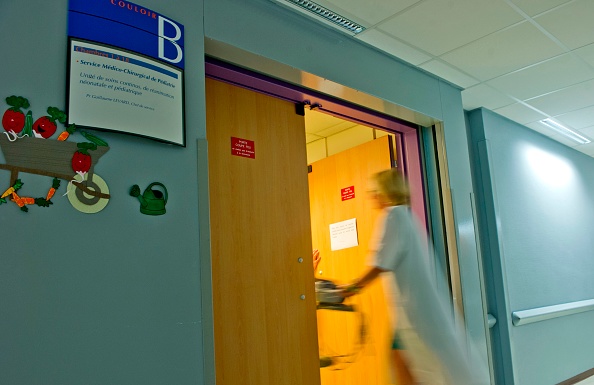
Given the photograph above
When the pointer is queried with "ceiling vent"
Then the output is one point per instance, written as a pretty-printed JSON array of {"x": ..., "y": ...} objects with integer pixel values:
[{"x": 323, "y": 15}]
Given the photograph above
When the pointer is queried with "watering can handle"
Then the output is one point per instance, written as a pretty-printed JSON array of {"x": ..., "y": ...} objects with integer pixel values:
[{"x": 159, "y": 184}]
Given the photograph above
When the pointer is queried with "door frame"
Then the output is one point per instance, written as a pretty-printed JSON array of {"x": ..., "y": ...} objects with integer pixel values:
[{"x": 363, "y": 109}]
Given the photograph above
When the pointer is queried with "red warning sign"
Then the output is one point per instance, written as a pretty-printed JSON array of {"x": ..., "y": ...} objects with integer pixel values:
[
  {"x": 347, "y": 193},
  {"x": 243, "y": 147}
]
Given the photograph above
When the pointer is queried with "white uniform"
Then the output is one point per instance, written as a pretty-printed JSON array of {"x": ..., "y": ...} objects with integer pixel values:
[{"x": 433, "y": 341}]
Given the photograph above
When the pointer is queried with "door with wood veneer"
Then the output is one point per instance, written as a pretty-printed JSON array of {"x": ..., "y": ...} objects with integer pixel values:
[
  {"x": 357, "y": 342},
  {"x": 263, "y": 289}
]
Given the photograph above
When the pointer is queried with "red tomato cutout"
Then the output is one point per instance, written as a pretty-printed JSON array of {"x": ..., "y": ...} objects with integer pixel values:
[
  {"x": 81, "y": 162},
  {"x": 13, "y": 120},
  {"x": 45, "y": 126}
]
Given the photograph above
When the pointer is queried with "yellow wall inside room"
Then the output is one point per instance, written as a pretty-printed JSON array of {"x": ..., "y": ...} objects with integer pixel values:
[{"x": 339, "y": 332}]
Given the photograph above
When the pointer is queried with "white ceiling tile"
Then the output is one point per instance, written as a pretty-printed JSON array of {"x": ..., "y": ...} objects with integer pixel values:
[
  {"x": 484, "y": 96},
  {"x": 532, "y": 7},
  {"x": 577, "y": 119},
  {"x": 550, "y": 75},
  {"x": 571, "y": 24},
  {"x": 587, "y": 149},
  {"x": 393, "y": 47},
  {"x": 552, "y": 134},
  {"x": 586, "y": 53},
  {"x": 566, "y": 100},
  {"x": 318, "y": 121},
  {"x": 438, "y": 26},
  {"x": 520, "y": 113},
  {"x": 447, "y": 72},
  {"x": 543, "y": 130},
  {"x": 503, "y": 52},
  {"x": 333, "y": 130},
  {"x": 368, "y": 12},
  {"x": 588, "y": 131}
]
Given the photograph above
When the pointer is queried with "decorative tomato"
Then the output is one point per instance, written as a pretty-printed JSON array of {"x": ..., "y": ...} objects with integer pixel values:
[
  {"x": 13, "y": 118},
  {"x": 46, "y": 125},
  {"x": 81, "y": 162}
]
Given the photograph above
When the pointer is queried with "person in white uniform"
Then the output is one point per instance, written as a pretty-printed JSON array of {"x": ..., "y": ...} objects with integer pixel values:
[{"x": 425, "y": 330}]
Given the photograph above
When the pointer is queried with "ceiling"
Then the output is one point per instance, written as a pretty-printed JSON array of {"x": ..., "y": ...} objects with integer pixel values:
[{"x": 526, "y": 60}]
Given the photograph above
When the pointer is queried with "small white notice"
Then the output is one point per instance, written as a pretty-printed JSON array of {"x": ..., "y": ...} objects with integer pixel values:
[{"x": 343, "y": 234}]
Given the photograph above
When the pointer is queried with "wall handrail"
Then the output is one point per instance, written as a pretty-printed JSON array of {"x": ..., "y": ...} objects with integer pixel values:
[{"x": 524, "y": 317}]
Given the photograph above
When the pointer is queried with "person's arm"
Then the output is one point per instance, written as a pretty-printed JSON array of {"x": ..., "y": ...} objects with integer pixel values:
[{"x": 362, "y": 282}]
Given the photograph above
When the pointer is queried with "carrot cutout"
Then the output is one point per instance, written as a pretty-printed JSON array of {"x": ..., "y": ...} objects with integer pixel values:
[
  {"x": 52, "y": 190},
  {"x": 15, "y": 187},
  {"x": 69, "y": 131},
  {"x": 28, "y": 200},
  {"x": 19, "y": 201}
]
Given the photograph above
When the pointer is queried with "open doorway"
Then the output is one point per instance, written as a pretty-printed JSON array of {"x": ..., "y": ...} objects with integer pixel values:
[{"x": 265, "y": 321}]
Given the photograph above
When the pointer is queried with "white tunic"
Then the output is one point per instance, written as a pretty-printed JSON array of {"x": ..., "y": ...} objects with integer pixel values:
[{"x": 433, "y": 341}]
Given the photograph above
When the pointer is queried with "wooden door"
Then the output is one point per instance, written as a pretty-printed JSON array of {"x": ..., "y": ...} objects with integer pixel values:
[
  {"x": 340, "y": 332},
  {"x": 263, "y": 289}
]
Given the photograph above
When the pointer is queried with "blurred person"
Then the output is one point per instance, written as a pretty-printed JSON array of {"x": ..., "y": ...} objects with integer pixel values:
[{"x": 428, "y": 347}]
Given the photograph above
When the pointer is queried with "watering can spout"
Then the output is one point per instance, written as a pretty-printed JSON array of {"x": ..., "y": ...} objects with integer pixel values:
[{"x": 152, "y": 202}]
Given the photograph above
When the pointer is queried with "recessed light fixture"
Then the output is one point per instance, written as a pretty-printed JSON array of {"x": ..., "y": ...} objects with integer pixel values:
[
  {"x": 324, "y": 15},
  {"x": 561, "y": 129}
]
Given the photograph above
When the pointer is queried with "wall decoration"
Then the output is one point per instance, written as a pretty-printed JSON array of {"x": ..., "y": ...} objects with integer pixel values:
[
  {"x": 26, "y": 149},
  {"x": 14, "y": 119},
  {"x": 152, "y": 202}
]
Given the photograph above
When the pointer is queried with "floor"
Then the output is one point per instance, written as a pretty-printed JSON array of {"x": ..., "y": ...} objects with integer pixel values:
[{"x": 587, "y": 381}]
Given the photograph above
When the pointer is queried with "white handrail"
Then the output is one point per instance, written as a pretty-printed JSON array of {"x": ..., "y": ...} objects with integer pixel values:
[{"x": 524, "y": 317}]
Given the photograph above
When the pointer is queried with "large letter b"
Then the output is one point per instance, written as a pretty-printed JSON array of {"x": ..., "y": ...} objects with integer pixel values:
[{"x": 173, "y": 40}]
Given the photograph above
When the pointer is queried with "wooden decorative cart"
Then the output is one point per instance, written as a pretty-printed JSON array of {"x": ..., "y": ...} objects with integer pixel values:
[{"x": 52, "y": 158}]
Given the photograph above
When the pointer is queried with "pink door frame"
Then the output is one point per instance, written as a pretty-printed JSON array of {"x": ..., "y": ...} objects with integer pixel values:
[{"x": 409, "y": 156}]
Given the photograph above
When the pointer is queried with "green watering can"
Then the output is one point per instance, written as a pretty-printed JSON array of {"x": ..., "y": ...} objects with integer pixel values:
[{"x": 152, "y": 202}]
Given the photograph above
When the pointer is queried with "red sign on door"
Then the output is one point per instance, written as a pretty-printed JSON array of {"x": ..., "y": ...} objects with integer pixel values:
[
  {"x": 347, "y": 193},
  {"x": 243, "y": 147}
]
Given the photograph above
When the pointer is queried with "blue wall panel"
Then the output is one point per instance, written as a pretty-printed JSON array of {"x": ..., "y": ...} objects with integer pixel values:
[{"x": 537, "y": 210}]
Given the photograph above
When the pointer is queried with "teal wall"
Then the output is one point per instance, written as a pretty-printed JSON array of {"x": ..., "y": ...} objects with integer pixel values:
[
  {"x": 114, "y": 297},
  {"x": 537, "y": 209},
  {"x": 122, "y": 298}
]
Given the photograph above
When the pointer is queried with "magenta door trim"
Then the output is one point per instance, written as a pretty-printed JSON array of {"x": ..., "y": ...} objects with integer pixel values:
[{"x": 409, "y": 157}]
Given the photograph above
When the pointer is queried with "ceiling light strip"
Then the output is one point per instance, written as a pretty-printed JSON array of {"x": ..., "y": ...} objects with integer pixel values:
[
  {"x": 568, "y": 133},
  {"x": 328, "y": 15}
]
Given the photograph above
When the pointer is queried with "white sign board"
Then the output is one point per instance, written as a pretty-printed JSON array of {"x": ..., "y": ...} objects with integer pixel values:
[
  {"x": 117, "y": 90},
  {"x": 343, "y": 234}
]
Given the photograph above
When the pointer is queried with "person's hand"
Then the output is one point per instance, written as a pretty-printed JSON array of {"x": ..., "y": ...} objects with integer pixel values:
[
  {"x": 316, "y": 258},
  {"x": 348, "y": 290}
]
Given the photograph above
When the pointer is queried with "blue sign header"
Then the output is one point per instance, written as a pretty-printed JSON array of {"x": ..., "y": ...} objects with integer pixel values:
[{"x": 127, "y": 25}]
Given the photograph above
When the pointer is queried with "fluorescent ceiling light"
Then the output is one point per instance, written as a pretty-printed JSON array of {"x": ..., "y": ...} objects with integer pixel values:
[
  {"x": 324, "y": 15},
  {"x": 568, "y": 133}
]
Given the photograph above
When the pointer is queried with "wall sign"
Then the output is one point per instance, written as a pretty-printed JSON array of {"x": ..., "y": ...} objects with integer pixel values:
[
  {"x": 347, "y": 193},
  {"x": 125, "y": 70},
  {"x": 344, "y": 234},
  {"x": 243, "y": 147}
]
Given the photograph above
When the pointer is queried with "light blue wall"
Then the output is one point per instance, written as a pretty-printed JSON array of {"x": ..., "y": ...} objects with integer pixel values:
[
  {"x": 537, "y": 207},
  {"x": 114, "y": 297},
  {"x": 121, "y": 298}
]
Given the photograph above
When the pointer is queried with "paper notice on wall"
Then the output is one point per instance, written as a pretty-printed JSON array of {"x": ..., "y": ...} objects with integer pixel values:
[{"x": 343, "y": 234}]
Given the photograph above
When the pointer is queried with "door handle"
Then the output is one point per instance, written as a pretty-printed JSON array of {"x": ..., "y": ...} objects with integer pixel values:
[{"x": 491, "y": 320}]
